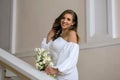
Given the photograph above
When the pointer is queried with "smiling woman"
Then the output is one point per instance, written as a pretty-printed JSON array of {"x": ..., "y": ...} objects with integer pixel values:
[
  {"x": 66, "y": 23},
  {"x": 62, "y": 43}
]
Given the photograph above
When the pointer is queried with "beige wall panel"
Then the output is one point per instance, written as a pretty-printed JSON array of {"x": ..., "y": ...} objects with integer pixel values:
[{"x": 35, "y": 18}]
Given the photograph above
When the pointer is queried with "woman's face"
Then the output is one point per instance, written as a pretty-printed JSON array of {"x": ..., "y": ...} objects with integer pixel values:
[{"x": 67, "y": 21}]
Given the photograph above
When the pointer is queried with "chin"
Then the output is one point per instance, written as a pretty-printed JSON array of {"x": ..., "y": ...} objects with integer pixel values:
[{"x": 64, "y": 28}]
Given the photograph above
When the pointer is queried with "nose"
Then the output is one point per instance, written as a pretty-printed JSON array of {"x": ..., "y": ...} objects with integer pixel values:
[{"x": 65, "y": 20}]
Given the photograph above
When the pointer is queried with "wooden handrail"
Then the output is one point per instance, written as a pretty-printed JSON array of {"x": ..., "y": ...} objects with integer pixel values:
[{"x": 21, "y": 68}]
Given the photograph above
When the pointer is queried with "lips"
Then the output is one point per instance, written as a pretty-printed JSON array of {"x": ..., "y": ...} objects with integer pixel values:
[{"x": 64, "y": 24}]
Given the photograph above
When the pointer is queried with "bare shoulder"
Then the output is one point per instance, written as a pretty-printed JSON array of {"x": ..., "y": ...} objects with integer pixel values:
[{"x": 72, "y": 36}]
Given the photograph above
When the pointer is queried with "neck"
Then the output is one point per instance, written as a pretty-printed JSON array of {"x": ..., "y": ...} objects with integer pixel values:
[{"x": 64, "y": 32}]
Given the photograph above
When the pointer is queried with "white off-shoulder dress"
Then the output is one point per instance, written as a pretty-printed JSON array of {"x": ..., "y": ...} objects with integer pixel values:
[{"x": 65, "y": 56}]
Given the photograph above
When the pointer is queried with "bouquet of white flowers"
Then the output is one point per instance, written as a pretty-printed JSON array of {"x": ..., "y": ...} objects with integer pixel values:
[{"x": 43, "y": 59}]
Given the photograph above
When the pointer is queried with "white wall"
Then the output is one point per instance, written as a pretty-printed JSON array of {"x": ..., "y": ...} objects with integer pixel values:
[
  {"x": 117, "y": 15},
  {"x": 35, "y": 18},
  {"x": 100, "y": 63},
  {"x": 5, "y": 16}
]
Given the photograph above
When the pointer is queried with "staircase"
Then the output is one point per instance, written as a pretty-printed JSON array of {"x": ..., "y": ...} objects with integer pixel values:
[
  {"x": 11, "y": 76},
  {"x": 23, "y": 70}
]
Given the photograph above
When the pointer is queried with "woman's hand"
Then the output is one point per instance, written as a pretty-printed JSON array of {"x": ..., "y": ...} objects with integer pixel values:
[
  {"x": 50, "y": 70},
  {"x": 50, "y": 35}
]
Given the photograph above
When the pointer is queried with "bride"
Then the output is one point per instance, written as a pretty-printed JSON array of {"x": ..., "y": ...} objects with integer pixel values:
[{"x": 62, "y": 42}]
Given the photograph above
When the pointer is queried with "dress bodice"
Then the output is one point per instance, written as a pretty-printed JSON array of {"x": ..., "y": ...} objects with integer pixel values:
[{"x": 57, "y": 45}]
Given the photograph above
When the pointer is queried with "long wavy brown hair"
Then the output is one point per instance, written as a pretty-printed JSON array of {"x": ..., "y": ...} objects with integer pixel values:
[{"x": 57, "y": 26}]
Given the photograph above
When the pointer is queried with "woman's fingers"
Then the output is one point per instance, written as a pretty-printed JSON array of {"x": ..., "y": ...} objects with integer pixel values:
[
  {"x": 47, "y": 70},
  {"x": 52, "y": 71}
]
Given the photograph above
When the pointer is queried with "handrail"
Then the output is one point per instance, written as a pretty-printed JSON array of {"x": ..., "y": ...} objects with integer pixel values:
[{"x": 21, "y": 68}]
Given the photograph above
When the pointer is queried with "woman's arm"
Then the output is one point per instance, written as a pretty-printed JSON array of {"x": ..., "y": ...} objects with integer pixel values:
[{"x": 50, "y": 35}]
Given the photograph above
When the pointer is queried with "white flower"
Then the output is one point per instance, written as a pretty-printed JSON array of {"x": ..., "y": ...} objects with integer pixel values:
[
  {"x": 51, "y": 64},
  {"x": 42, "y": 49},
  {"x": 43, "y": 58}
]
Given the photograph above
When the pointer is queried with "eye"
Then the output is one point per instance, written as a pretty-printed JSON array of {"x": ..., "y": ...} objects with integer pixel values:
[{"x": 68, "y": 19}]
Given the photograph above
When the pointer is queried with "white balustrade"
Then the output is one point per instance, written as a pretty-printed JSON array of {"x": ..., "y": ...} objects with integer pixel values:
[{"x": 19, "y": 66}]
